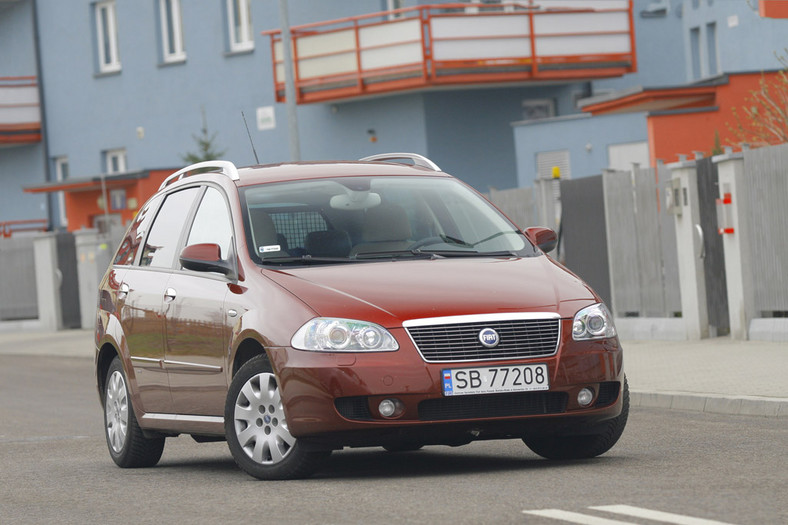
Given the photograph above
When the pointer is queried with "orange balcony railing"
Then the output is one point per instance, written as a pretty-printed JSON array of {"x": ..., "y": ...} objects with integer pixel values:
[
  {"x": 457, "y": 44},
  {"x": 8, "y": 228},
  {"x": 20, "y": 113}
]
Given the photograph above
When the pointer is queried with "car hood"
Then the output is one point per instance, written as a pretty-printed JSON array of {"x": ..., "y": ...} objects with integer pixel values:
[{"x": 390, "y": 292}]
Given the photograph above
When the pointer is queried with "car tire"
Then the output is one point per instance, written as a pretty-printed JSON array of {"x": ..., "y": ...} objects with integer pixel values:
[
  {"x": 586, "y": 445},
  {"x": 128, "y": 446},
  {"x": 256, "y": 428}
]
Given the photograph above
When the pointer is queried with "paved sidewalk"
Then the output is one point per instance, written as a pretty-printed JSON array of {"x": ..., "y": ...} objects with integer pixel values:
[{"x": 713, "y": 375}]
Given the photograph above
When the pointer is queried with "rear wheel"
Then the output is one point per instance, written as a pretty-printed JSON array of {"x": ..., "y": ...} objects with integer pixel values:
[
  {"x": 586, "y": 445},
  {"x": 127, "y": 445},
  {"x": 256, "y": 428}
]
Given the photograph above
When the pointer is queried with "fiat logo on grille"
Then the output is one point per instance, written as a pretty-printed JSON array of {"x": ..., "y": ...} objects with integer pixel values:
[{"x": 489, "y": 338}]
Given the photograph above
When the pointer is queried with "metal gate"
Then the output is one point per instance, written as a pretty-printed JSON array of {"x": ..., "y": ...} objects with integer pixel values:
[
  {"x": 69, "y": 282},
  {"x": 18, "y": 297},
  {"x": 713, "y": 253},
  {"x": 583, "y": 232}
]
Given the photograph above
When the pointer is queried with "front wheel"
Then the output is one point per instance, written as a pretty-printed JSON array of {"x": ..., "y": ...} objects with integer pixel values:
[
  {"x": 127, "y": 444},
  {"x": 586, "y": 445},
  {"x": 256, "y": 428}
]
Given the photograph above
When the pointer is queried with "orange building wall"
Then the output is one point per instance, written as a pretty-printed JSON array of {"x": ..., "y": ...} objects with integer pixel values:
[
  {"x": 684, "y": 133},
  {"x": 773, "y": 8},
  {"x": 83, "y": 206}
]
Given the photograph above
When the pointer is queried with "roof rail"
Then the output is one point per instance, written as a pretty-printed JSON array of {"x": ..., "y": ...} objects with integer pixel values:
[
  {"x": 224, "y": 167},
  {"x": 418, "y": 160}
]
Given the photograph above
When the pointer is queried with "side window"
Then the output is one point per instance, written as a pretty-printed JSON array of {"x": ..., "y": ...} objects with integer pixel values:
[
  {"x": 212, "y": 222},
  {"x": 128, "y": 248},
  {"x": 161, "y": 246}
]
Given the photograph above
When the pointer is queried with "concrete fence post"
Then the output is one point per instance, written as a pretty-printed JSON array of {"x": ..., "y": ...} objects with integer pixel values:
[
  {"x": 735, "y": 242},
  {"x": 48, "y": 279},
  {"x": 689, "y": 244}
]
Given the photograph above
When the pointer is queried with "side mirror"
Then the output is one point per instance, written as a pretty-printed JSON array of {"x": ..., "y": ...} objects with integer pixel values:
[
  {"x": 205, "y": 258},
  {"x": 544, "y": 238}
]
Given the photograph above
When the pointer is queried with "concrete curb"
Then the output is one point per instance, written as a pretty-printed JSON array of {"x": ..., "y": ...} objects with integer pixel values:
[{"x": 713, "y": 403}]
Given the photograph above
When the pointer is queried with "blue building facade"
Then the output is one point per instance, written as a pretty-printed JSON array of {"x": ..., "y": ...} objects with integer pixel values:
[{"x": 127, "y": 86}]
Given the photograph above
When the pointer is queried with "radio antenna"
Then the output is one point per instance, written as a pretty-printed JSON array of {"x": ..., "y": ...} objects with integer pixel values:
[{"x": 250, "y": 138}]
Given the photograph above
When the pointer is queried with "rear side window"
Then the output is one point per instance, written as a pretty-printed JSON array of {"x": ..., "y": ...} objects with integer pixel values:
[
  {"x": 162, "y": 244},
  {"x": 131, "y": 243}
]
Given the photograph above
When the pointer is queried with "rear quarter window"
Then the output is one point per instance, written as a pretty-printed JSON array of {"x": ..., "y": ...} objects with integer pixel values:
[{"x": 127, "y": 251}]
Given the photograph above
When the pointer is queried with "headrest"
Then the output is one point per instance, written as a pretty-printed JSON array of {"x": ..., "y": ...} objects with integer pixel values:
[
  {"x": 263, "y": 230},
  {"x": 332, "y": 243},
  {"x": 387, "y": 222}
]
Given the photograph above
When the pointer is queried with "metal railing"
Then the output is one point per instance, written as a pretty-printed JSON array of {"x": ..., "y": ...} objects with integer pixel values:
[
  {"x": 449, "y": 44},
  {"x": 8, "y": 228},
  {"x": 20, "y": 114}
]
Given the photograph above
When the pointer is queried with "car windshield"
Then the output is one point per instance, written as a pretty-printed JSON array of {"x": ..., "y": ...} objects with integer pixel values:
[{"x": 351, "y": 219}]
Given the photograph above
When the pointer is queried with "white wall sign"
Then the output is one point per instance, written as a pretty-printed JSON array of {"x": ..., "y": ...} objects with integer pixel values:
[{"x": 266, "y": 118}]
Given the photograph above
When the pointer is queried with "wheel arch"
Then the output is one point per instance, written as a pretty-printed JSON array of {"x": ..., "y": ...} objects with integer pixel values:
[
  {"x": 104, "y": 358},
  {"x": 247, "y": 349}
]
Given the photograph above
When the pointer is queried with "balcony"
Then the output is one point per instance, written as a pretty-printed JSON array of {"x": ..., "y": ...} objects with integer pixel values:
[
  {"x": 20, "y": 112},
  {"x": 442, "y": 45}
]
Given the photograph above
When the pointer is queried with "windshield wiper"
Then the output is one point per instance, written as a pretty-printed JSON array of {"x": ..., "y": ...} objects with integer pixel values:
[
  {"x": 395, "y": 254},
  {"x": 470, "y": 253},
  {"x": 306, "y": 259}
]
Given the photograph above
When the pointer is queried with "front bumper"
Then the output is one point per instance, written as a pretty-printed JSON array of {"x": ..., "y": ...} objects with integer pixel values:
[{"x": 334, "y": 398}]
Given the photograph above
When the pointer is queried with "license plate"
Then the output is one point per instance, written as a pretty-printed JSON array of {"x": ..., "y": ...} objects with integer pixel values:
[{"x": 495, "y": 379}]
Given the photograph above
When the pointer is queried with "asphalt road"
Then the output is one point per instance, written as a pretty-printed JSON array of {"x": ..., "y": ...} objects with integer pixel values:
[{"x": 54, "y": 468}]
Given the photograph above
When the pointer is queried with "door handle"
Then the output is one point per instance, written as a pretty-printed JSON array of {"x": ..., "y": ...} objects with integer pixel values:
[
  {"x": 169, "y": 295},
  {"x": 699, "y": 232},
  {"x": 123, "y": 291}
]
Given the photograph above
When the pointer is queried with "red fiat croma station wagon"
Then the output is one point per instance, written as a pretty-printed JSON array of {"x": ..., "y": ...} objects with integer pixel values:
[{"x": 297, "y": 309}]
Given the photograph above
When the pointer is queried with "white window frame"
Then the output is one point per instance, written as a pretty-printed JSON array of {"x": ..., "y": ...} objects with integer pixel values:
[
  {"x": 171, "y": 30},
  {"x": 112, "y": 155},
  {"x": 61, "y": 174},
  {"x": 241, "y": 39},
  {"x": 107, "y": 37}
]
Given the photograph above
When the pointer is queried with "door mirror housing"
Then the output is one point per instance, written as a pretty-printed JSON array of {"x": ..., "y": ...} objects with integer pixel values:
[
  {"x": 206, "y": 257},
  {"x": 544, "y": 238}
]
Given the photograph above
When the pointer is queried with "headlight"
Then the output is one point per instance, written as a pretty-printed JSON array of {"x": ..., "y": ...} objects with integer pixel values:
[
  {"x": 593, "y": 322},
  {"x": 326, "y": 334}
]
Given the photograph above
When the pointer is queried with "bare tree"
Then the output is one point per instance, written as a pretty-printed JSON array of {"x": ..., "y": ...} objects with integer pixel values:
[{"x": 764, "y": 116}]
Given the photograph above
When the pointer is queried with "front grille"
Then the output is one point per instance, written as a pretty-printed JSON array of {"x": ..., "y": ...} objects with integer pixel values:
[
  {"x": 519, "y": 339},
  {"x": 493, "y": 405}
]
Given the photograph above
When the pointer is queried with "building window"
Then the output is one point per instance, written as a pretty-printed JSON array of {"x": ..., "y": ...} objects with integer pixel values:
[
  {"x": 115, "y": 161},
  {"x": 107, "y": 37},
  {"x": 538, "y": 108},
  {"x": 61, "y": 174},
  {"x": 117, "y": 199},
  {"x": 695, "y": 53},
  {"x": 711, "y": 48},
  {"x": 239, "y": 16},
  {"x": 392, "y": 5},
  {"x": 171, "y": 31}
]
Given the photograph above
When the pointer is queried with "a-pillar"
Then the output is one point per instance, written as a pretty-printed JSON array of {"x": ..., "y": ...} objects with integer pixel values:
[{"x": 689, "y": 247}]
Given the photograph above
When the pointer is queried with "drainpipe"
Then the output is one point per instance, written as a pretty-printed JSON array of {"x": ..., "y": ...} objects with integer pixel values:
[
  {"x": 290, "y": 92},
  {"x": 42, "y": 110}
]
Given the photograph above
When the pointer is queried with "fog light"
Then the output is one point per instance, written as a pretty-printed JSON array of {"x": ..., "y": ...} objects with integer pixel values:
[
  {"x": 585, "y": 396},
  {"x": 391, "y": 407}
]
